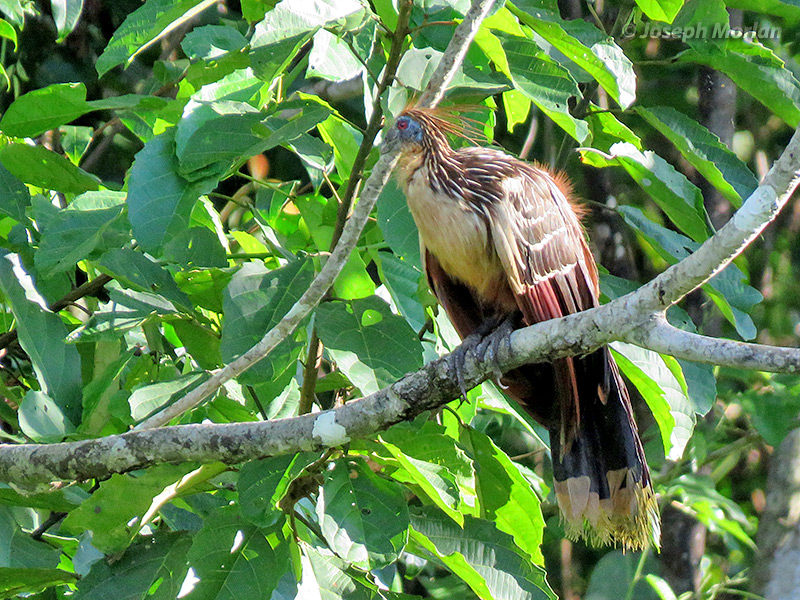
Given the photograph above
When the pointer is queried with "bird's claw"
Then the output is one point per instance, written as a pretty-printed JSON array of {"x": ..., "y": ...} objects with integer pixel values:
[
  {"x": 489, "y": 347},
  {"x": 485, "y": 343}
]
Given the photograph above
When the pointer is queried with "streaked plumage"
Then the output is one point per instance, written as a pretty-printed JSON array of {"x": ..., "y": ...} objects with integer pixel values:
[{"x": 500, "y": 237}]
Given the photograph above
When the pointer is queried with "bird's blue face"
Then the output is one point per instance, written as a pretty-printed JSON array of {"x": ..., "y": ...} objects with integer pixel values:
[{"x": 406, "y": 131}]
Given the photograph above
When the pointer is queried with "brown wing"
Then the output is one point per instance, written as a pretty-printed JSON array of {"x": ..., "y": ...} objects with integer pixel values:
[{"x": 540, "y": 243}]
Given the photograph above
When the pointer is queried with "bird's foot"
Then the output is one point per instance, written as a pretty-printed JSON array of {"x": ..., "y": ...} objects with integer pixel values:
[{"x": 484, "y": 342}]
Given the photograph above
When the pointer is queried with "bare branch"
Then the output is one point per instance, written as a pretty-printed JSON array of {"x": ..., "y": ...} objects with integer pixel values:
[{"x": 662, "y": 337}]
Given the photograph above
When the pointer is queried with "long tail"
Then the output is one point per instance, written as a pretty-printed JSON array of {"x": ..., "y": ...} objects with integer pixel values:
[{"x": 601, "y": 478}]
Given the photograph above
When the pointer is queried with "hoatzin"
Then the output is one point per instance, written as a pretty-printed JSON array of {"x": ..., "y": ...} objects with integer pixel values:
[{"x": 501, "y": 240}]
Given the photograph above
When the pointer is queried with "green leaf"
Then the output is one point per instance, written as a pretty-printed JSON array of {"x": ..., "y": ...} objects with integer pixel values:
[
  {"x": 7, "y": 31},
  {"x": 372, "y": 346},
  {"x": 142, "y": 27},
  {"x": 139, "y": 272},
  {"x": 148, "y": 398},
  {"x": 584, "y": 44},
  {"x": 160, "y": 201},
  {"x": 155, "y": 567},
  {"x": 681, "y": 200},
  {"x": 363, "y": 517},
  {"x": 42, "y": 335},
  {"x": 39, "y": 166},
  {"x": 755, "y": 69},
  {"x": 21, "y": 582},
  {"x": 728, "y": 289},
  {"x": 196, "y": 247},
  {"x": 44, "y": 109},
  {"x": 545, "y": 82},
  {"x": 701, "y": 500},
  {"x": 345, "y": 141},
  {"x": 66, "y": 14},
  {"x": 213, "y": 136},
  {"x": 663, "y": 393},
  {"x": 354, "y": 281},
  {"x": 254, "y": 301},
  {"x": 721, "y": 167},
  {"x": 614, "y": 575},
  {"x": 397, "y": 224},
  {"x": 200, "y": 342},
  {"x": 263, "y": 484},
  {"x": 119, "y": 500},
  {"x": 211, "y": 42},
  {"x": 437, "y": 464},
  {"x": 506, "y": 496},
  {"x": 14, "y": 196},
  {"x": 234, "y": 559},
  {"x": 42, "y": 420},
  {"x": 481, "y": 555},
  {"x": 660, "y": 10},
  {"x": 331, "y": 58},
  {"x": 403, "y": 281},
  {"x": 19, "y": 550},
  {"x": 92, "y": 221}
]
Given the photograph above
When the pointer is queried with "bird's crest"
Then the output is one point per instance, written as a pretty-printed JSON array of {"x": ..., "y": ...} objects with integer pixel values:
[{"x": 448, "y": 120}]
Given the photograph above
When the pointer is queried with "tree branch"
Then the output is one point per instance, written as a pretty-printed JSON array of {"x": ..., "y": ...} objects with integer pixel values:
[{"x": 662, "y": 337}]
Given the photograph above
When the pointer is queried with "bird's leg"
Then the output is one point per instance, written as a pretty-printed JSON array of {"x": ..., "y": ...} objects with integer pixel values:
[
  {"x": 489, "y": 346},
  {"x": 484, "y": 341}
]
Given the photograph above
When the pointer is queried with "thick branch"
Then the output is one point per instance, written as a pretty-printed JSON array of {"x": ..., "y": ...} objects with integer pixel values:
[{"x": 662, "y": 337}]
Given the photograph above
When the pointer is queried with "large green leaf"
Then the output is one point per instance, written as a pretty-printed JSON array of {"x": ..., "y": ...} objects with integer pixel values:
[
  {"x": 110, "y": 509},
  {"x": 663, "y": 393},
  {"x": 254, "y": 301},
  {"x": 484, "y": 557},
  {"x": 160, "y": 200},
  {"x": 583, "y": 44},
  {"x": 22, "y": 581},
  {"x": 437, "y": 464},
  {"x": 41, "y": 110},
  {"x": 363, "y": 517},
  {"x": 19, "y": 550},
  {"x": 660, "y": 10},
  {"x": 155, "y": 567},
  {"x": 263, "y": 484},
  {"x": 234, "y": 559},
  {"x": 14, "y": 196},
  {"x": 42, "y": 335},
  {"x": 545, "y": 82},
  {"x": 370, "y": 344},
  {"x": 506, "y": 496},
  {"x": 137, "y": 271},
  {"x": 728, "y": 289},
  {"x": 143, "y": 26},
  {"x": 41, "y": 167},
  {"x": 755, "y": 69},
  {"x": 721, "y": 167},
  {"x": 681, "y": 200},
  {"x": 93, "y": 221}
]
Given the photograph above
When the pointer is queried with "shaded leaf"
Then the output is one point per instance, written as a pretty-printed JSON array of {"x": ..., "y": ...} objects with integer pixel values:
[
  {"x": 372, "y": 346},
  {"x": 485, "y": 558},
  {"x": 362, "y": 516}
]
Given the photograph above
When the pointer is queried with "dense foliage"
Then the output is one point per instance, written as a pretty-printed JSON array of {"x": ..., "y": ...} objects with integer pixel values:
[{"x": 171, "y": 202}]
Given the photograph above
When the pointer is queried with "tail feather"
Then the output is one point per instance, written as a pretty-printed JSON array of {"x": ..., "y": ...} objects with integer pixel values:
[{"x": 601, "y": 478}]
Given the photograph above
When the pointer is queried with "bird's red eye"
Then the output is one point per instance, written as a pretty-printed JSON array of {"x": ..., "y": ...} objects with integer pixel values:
[{"x": 402, "y": 125}]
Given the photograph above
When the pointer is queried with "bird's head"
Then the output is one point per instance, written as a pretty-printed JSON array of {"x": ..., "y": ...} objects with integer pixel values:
[{"x": 407, "y": 133}]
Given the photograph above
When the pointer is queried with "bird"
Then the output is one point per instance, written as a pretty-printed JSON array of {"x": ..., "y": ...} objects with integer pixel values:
[{"x": 501, "y": 241}]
